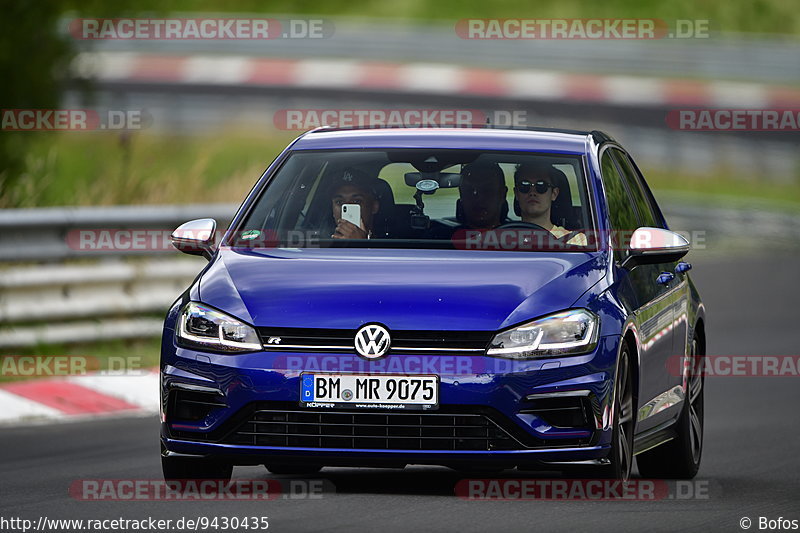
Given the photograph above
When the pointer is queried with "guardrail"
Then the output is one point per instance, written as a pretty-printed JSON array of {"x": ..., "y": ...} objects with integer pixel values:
[
  {"x": 61, "y": 304},
  {"x": 105, "y": 298},
  {"x": 47, "y": 234},
  {"x": 116, "y": 299}
]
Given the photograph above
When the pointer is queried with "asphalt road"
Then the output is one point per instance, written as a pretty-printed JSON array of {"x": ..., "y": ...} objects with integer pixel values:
[{"x": 750, "y": 466}]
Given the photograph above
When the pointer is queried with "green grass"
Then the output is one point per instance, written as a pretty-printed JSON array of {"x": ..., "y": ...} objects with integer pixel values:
[
  {"x": 133, "y": 354},
  {"x": 726, "y": 190},
  {"x": 96, "y": 169}
]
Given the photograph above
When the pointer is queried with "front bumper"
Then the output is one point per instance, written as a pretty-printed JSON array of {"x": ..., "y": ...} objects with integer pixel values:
[{"x": 551, "y": 410}]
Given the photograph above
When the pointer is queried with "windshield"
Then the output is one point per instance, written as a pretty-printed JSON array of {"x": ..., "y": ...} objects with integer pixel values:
[{"x": 422, "y": 198}]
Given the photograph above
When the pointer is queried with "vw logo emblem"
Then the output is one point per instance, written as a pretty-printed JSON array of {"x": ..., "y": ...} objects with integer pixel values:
[{"x": 372, "y": 341}]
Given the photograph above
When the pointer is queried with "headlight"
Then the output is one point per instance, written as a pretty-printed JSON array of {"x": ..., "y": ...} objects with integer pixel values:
[
  {"x": 206, "y": 327},
  {"x": 569, "y": 332}
]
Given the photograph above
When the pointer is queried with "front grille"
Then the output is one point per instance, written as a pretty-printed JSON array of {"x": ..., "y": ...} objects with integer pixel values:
[
  {"x": 372, "y": 431},
  {"x": 403, "y": 341}
]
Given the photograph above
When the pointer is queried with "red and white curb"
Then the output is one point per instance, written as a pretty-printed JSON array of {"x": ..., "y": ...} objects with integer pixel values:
[
  {"x": 79, "y": 397},
  {"x": 429, "y": 78}
]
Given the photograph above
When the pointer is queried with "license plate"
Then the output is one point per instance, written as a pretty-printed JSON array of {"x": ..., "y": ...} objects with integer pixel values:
[{"x": 369, "y": 391}]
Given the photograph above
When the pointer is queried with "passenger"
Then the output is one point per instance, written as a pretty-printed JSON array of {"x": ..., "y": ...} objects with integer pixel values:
[
  {"x": 482, "y": 196},
  {"x": 354, "y": 187},
  {"x": 535, "y": 192}
]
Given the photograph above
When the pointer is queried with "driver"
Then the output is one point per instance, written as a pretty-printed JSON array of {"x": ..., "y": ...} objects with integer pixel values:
[
  {"x": 354, "y": 187},
  {"x": 535, "y": 192}
]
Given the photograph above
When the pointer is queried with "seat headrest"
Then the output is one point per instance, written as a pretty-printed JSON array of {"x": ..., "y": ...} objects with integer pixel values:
[{"x": 561, "y": 211}]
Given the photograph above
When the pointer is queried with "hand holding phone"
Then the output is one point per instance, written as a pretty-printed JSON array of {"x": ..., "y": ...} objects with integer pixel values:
[
  {"x": 352, "y": 214},
  {"x": 350, "y": 225}
]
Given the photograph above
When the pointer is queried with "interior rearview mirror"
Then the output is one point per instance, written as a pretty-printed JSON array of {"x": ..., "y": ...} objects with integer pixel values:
[{"x": 446, "y": 180}]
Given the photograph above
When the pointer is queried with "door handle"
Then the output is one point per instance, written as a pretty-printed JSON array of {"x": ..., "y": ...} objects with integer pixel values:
[{"x": 665, "y": 277}]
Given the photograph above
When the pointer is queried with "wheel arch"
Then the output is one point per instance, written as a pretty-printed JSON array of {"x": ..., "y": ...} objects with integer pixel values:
[
  {"x": 630, "y": 339},
  {"x": 700, "y": 334}
]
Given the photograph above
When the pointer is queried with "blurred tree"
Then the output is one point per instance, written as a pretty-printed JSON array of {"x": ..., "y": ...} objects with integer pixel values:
[{"x": 35, "y": 55}]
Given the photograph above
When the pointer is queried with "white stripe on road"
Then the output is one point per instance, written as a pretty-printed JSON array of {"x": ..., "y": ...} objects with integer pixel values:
[
  {"x": 738, "y": 95},
  {"x": 105, "y": 65},
  {"x": 631, "y": 90},
  {"x": 535, "y": 84},
  {"x": 15, "y": 408},
  {"x": 224, "y": 70},
  {"x": 327, "y": 73},
  {"x": 137, "y": 389},
  {"x": 434, "y": 78}
]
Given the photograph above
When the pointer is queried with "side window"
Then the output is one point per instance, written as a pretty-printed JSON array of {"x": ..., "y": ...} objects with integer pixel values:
[
  {"x": 620, "y": 209},
  {"x": 646, "y": 214},
  {"x": 648, "y": 193}
]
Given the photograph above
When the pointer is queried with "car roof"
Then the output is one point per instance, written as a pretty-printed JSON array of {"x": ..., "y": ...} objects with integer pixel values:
[{"x": 482, "y": 138}]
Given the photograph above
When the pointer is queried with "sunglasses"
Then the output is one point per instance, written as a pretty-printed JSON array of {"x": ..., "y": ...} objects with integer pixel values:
[{"x": 540, "y": 186}]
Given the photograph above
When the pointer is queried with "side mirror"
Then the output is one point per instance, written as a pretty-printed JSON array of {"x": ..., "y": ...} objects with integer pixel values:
[
  {"x": 655, "y": 245},
  {"x": 195, "y": 237}
]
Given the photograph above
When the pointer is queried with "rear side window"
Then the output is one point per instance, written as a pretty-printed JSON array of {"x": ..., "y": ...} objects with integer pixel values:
[{"x": 647, "y": 216}]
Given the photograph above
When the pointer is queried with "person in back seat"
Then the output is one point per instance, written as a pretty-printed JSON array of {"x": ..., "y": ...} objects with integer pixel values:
[{"x": 482, "y": 203}]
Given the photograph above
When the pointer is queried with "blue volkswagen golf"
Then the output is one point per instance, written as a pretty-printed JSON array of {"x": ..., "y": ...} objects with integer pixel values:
[{"x": 469, "y": 297}]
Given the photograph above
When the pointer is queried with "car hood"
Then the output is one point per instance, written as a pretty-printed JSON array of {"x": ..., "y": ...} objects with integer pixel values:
[{"x": 402, "y": 289}]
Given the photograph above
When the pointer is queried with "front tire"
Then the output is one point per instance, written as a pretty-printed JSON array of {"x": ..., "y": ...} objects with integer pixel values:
[
  {"x": 680, "y": 457},
  {"x": 621, "y": 455}
]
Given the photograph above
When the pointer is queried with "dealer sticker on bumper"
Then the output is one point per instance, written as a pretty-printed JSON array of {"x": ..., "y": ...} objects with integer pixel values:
[{"x": 369, "y": 391}]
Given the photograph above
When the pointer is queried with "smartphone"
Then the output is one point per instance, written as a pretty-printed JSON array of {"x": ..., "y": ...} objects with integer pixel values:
[{"x": 352, "y": 213}]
